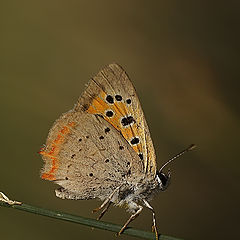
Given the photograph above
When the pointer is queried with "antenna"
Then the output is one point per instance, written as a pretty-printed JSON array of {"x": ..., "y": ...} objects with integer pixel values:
[{"x": 191, "y": 147}]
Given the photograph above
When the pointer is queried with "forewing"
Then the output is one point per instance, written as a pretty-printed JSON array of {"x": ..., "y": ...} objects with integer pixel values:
[
  {"x": 112, "y": 95},
  {"x": 87, "y": 156}
]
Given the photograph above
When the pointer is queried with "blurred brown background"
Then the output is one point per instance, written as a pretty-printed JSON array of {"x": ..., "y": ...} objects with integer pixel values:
[{"x": 182, "y": 56}]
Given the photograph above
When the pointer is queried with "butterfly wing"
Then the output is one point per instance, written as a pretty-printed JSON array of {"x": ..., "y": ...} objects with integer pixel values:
[
  {"x": 87, "y": 156},
  {"x": 112, "y": 95}
]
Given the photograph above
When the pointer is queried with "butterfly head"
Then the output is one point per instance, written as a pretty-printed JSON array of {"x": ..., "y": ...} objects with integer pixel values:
[{"x": 163, "y": 179}]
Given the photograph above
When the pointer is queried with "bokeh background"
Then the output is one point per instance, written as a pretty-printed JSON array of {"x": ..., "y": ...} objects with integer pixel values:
[{"x": 183, "y": 58}]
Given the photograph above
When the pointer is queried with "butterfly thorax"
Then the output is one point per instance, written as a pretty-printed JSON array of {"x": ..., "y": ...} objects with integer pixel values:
[{"x": 134, "y": 191}]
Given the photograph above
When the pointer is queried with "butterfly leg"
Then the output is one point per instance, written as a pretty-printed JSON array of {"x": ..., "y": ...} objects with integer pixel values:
[
  {"x": 4, "y": 198},
  {"x": 106, "y": 203},
  {"x": 133, "y": 216},
  {"x": 154, "y": 227},
  {"x": 104, "y": 210}
]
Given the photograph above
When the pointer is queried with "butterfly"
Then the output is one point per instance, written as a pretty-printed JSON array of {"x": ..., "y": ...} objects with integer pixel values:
[{"x": 102, "y": 148}]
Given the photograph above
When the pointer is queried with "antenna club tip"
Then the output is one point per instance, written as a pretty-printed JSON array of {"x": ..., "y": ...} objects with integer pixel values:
[{"x": 191, "y": 147}]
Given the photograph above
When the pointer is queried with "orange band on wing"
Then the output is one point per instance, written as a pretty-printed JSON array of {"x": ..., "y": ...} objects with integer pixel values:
[
  {"x": 99, "y": 106},
  {"x": 54, "y": 150}
]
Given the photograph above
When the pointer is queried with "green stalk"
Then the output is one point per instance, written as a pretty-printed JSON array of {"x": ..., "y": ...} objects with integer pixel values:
[{"x": 86, "y": 221}]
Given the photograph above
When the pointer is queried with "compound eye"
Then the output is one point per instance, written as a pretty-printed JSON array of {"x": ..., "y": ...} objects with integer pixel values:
[{"x": 163, "y": 178}]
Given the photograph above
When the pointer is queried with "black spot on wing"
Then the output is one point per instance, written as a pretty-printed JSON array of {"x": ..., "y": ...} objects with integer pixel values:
[
  {"x": 128, "y": 101},
  {"x": 141, "y": 156},
  {"x": 127, "y": 121},
  {"x": 107, "y": 130},
  {"x": 135, "y": 141},
  {"x": 109, "y": 99},
  {"x": 118, "y": 98},
  {"x": 109, "y": 113}
]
